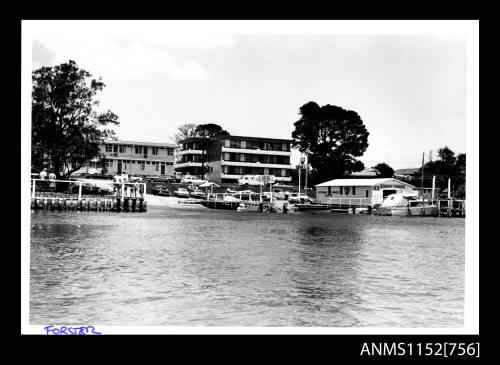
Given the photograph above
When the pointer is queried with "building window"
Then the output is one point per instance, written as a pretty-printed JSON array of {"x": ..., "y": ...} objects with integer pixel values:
[
  {"x": 157, "y": 166},
  {"x": 143, "y": 165},
  {"x": 138, "y": 150},
  {"x": 121, "y": 149},
  {"x": 170, "y": 151},
  {"x": 367, "y": 193},
  {"x": 154, "y": 150},
  {"x": 109, "y": 163},
  {"x": 353, "y": 190},
  {"x": 235, "y": 144},
  {"x": 109, "y": 148}
]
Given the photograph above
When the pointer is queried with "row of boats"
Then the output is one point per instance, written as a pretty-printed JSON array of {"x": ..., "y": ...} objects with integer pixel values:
[{"x": 393, "y": 205}]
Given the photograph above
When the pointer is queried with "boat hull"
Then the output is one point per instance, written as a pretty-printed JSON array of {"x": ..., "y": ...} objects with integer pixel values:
[{"x": 408, "y": 212}]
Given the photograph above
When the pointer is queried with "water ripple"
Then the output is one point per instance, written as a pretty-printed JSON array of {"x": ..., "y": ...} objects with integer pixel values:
[{"x": 218, "y": 268}]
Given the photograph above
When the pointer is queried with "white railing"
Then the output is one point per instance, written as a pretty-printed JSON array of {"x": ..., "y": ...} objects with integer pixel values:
[
  {"x": 124, "y": 189},
  {"x": 350, "y": 201}
]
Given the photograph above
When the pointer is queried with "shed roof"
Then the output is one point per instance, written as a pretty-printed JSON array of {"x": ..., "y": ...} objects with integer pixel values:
[{"x": 361, "y": 182}]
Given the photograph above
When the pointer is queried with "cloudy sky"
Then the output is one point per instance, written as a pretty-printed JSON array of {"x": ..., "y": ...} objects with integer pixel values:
[{"x": 410, "y": 90}]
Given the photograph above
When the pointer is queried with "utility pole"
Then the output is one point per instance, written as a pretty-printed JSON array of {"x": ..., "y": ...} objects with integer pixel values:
[
  {"x": 433, "y": 186},
  {"x": 422, "y": 182},
  {"x": 299, "y": 181},
  {"x": 307, "y": 170}
]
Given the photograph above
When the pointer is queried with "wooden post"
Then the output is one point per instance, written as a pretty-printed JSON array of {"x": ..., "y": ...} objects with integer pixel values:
[
  {"x": 433, "y": 186},
  {"x": 80, "y": 191},
  {"x": 33, "y": 190},
  {"x": 307, "y": 170},
  {"x": 422, "y": 179},
  {"x": 299, "y": 182}
]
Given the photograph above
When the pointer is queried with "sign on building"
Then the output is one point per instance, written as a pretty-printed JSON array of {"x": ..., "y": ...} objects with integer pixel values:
[{"x": 266, "y": 179}]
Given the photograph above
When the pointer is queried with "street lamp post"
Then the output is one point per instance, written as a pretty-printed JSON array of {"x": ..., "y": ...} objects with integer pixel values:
[{"x": 300, "y": 166}]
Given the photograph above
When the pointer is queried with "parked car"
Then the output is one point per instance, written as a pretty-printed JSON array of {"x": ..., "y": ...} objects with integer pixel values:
[
  {"x": 181, "y": 193},
  {"x": 152, "y": 178},
  {"x": 192, "y": 180},
  {"x": 160, "y": 190},
  {"x": 296, "y": 198},
  {"x": 250, "y": 180}
]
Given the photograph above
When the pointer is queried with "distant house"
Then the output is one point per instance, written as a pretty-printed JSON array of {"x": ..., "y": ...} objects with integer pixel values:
[
  {"x": 370, "y": 172},
  {"x": 360, "y": 192},
  {"x": 406, "y": 173}
]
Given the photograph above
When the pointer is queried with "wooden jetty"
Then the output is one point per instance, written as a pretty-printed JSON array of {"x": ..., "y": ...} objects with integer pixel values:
[
  {"x": 56, "y": 201},
  {"x": 312, "y": 207},
  {"x": 451, "y": 208}
]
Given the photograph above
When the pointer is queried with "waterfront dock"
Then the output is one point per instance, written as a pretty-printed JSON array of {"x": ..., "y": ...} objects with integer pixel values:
[{"x": 125, "y": 199}]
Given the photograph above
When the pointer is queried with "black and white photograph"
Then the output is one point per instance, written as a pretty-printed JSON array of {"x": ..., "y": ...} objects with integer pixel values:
[{"x": 250, "y": 176}]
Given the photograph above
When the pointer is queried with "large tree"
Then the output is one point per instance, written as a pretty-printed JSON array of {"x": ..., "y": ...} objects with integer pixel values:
[
  {"x": 384, "y": 170},
  {"x": 184, "y": 131},
  {"x": 66, "y": 127},
  {"x": 332, "y": 137},
  {"x": 205, "y": 133},
  {"x": 445, "y": 167}
]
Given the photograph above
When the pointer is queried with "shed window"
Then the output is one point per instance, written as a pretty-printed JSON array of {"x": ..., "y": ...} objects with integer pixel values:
[{"x": 367, "y": 193}]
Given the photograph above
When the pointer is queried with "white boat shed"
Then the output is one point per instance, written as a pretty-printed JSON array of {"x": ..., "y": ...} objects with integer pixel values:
[{"x": 360, "y": 192}]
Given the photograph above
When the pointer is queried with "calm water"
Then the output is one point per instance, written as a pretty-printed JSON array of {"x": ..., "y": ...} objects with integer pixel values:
[{"x": 175, "y": 267}]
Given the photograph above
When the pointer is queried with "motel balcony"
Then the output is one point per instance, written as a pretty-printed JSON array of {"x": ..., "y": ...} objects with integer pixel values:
[
  {"x": 188, "y": 164},
  {"x": 256, "y": 151},
  {"x": 138, "y": 157},
  {"x": 190, "y": 152},
  {"x": 256, "y": 164}
]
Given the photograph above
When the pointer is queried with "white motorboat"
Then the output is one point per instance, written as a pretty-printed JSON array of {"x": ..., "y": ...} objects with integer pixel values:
[
  {"x": 247, "y": 207},
  {"x": 406, "y": 205}
]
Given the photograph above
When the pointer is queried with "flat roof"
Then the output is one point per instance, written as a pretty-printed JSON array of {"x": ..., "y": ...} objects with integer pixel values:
[
  {"x": 247, "y": 138},
  {"x": 361, "y": 182},
  {"x": 139, "y": 143},
  {"x": 258, "y": 138}
]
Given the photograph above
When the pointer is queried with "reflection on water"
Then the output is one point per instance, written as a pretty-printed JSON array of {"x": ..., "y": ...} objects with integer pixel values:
[{"x": 221, "y": 268}]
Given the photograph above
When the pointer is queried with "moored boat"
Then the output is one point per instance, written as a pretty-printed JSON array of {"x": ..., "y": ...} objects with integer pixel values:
[{"x": 406, "y": 205}]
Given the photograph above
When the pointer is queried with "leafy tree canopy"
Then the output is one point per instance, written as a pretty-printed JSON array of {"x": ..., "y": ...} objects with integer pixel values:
[
  {"x": 332, "y": 137},
  {"x": 384, "y": 170},
  {"x": 185, "y": 131},
  {"x": 210, "y": 130},
  {"x": 66, "y": 127},
  {"x": 447, "y": 166}
]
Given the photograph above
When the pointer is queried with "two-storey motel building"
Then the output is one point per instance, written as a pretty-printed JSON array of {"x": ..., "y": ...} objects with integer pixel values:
[
  {"x": 135, "y": 158},
  {"x": 229, "y": 157}
]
